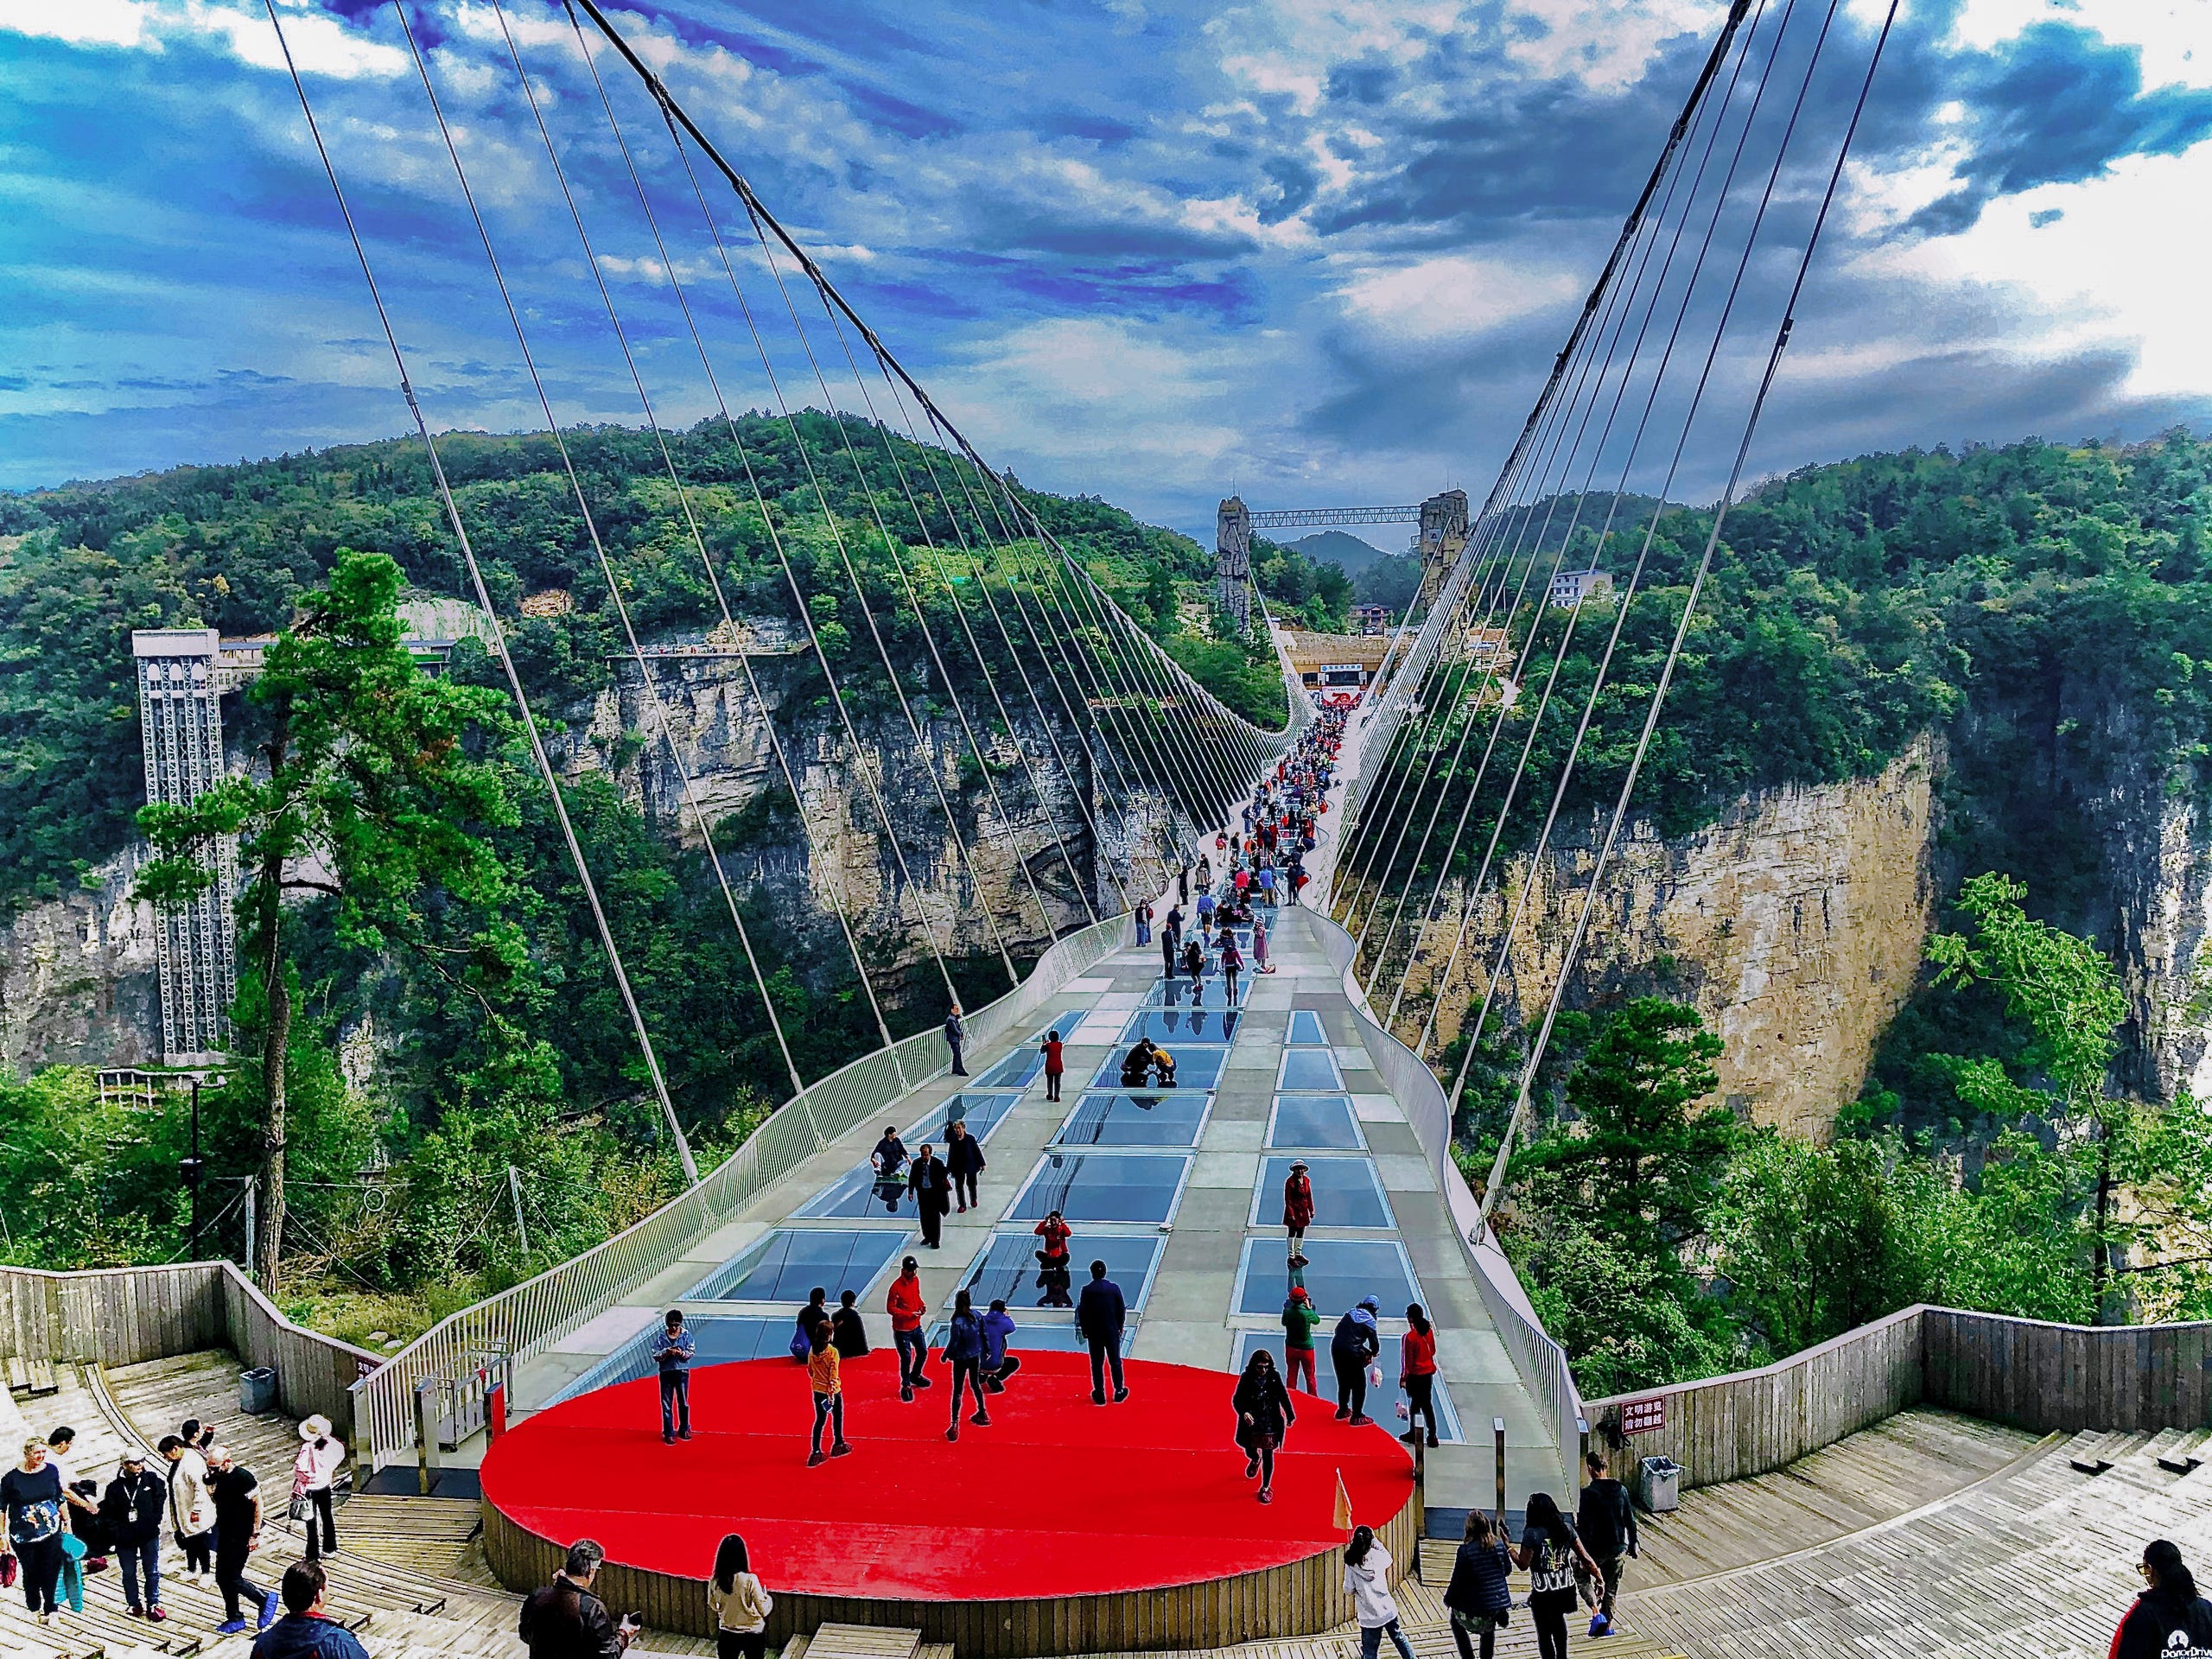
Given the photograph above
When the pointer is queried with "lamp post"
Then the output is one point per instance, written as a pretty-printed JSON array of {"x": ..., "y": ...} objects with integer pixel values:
[{"x": 192, "y": 1166}]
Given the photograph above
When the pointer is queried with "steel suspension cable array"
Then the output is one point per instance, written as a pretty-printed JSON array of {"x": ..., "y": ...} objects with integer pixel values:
[
  {"x": 1472, "y": 893},
  {"x": 483, "y": 598},
  {"x": 1494, "y": 1188}
]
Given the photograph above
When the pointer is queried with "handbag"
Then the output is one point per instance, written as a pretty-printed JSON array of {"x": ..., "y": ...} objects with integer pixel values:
[
  {"x": 7, "y": 1569},
  {"x": 800, "y": 1347},
  {"x": 297, "y": 1509}
]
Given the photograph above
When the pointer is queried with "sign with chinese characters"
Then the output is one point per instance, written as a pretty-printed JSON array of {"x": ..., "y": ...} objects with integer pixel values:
[{"x": 1642, "y": 1416}]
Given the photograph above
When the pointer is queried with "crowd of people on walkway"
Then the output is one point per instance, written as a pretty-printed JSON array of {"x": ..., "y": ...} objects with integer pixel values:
[{"x": 62, "y": 1527}]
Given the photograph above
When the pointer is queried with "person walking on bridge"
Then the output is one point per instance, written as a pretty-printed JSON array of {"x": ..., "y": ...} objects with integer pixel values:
[
  {"x": 932, "y": 1186},
  {"x": 963, "y": 1353},
  {"x": 1352, "y": 1349},
  {"x": 1297, "y": 1208},
  {"x": 954, "y": 1034},
  {"x": 904, "y": 1303},
  {"x": 1263, "y": 1418},
  {"x": 963, "y": 1158},
  {"x": 825, "y": 1376},
  {"x": 1299, "y": 1320},
  {"x": 1056, "y": 1063},
  {"x": 1100, "y": 1315},
  {"x": 1606, "y": 1520}
]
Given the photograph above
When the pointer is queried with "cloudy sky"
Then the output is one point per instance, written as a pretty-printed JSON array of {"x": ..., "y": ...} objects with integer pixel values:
[{"x": 1320, "y": 250}]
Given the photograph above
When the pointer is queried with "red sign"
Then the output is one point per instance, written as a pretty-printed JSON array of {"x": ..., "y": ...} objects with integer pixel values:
[{"x": 1642, "y": 1416}]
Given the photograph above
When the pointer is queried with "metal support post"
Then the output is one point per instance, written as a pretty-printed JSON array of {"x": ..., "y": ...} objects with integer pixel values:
[
  {"x": 1497, "y": 1436},
  {"x": 429, "y": 1464}
]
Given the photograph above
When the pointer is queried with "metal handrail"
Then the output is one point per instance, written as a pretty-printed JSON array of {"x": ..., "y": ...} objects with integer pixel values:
[
  {"x": 521, "y": 1321},
  {"x": 1540, "y": 1361}
]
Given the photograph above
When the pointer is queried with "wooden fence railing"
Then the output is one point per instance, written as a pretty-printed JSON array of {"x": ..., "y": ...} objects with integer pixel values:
[
  {"x": 121, "y": 1316},
  {"x": 2027, "y": 1373}
]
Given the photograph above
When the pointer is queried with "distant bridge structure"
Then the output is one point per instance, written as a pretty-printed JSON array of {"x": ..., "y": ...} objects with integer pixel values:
[{"x": 1442, "y": 517}]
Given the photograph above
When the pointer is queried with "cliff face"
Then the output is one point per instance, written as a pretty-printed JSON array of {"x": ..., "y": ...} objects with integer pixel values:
[
  {"x": 1004, "y": 882},
  {"x": 1795, "y": 925},
  {"x": 79, "y": 983}
]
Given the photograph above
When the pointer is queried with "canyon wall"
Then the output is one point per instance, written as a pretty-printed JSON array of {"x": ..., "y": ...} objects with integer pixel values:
[{"x": 1795, "y": 924}]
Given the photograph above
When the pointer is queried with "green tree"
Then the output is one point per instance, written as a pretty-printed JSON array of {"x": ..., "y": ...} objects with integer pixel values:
[
  {"x": 1628, "y": 1320},
  {"x": 1640, "y": 1167},
  {"x": 365, "y": 792},
  {"x": 2068, "y": 993}
]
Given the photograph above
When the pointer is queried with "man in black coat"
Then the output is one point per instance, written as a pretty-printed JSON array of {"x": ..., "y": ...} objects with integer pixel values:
[
  {"x": 564, "y": 1620},
  {"x": 932, "y": 1185},
  {"x": 131, "y": 1509},
  {"x": 1100, "y": 1315},
  {"x": 963, "y": 1159},
  {"x": 956, "y": 1034}
]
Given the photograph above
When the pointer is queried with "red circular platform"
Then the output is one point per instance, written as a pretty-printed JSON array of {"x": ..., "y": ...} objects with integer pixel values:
[{"x": 1057, "y": 1497}]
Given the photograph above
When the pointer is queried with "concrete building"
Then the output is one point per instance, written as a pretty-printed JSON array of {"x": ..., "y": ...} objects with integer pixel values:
[
  {"x": 182, "y": 678},
  {"x": 1571, "y": 587}
]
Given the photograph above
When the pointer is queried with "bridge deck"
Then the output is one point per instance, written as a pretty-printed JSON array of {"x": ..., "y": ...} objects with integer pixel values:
[{"x": 1190, "y": 1230}]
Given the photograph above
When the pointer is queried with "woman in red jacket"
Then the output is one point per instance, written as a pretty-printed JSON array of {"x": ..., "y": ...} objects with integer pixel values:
[
  {"x": 1297, "y": 1209},
  {"x": 1417, "y": 1374}
]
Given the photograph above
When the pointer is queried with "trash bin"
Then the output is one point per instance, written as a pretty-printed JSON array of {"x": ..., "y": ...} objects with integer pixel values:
[
  {"x": 1658, "y": 1485},
  {"x": 257, "y": 1391}
]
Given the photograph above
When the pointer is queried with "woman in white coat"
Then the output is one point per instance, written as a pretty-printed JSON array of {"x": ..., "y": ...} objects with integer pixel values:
[
  {"x": 313, "y": 1472},
  {"x": 1367, "y": 1581}
]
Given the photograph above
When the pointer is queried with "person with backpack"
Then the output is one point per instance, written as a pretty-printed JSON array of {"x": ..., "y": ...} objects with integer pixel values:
[
  {"x": 1232, "y": 963},
  {"x": 1367, "y": 1581},
  {"x": 1479, "y": 1597},
  {"x": 1553, "y": 1553},
  {"x": 1606, "y": 1520},
  {"x": 2169, "y": 1619},
  {"x": 1352, "y": 1349},
  {"x": 1300, "y": 1318}
]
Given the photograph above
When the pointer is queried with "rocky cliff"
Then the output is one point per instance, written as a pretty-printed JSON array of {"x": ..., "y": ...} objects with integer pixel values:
[
  {"x": 1795, "y": 924},
  {"x": 79, "y": 983}
]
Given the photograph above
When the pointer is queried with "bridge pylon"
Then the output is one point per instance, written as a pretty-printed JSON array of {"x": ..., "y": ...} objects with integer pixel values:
[{"x": 1232, "y": 560}]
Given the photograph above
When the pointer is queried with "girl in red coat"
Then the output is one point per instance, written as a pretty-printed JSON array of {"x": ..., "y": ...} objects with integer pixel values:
[{"x": 1297, "y": 1209}]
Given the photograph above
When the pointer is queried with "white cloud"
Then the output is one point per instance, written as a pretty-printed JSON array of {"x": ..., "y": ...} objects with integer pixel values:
[
  {"x": 320, "y": 44},
  {"x": 2174, "y": 36},
  {"x": 2122, "y": 262},
  {"x": 82, "y": 22},
  {"x": 1452, "y": 298}
]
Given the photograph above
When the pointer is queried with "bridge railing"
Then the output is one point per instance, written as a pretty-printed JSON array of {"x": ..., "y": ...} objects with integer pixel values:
[
  {"x": 1540, "y": 1362},
  {"x": 522, "y": 1321}
]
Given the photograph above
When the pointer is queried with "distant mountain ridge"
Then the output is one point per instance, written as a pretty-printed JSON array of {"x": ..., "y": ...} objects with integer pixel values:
[{"x": 1334, "y": 546}]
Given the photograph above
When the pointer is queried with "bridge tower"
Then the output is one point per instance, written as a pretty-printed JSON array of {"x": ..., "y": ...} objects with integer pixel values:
[
  {"x": 1443, "y": 533},
  {"x": 1232, "y": 559}
]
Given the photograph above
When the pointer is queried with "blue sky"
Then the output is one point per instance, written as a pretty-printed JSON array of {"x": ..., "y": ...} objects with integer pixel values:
[{"x": 1321, "y": 249}]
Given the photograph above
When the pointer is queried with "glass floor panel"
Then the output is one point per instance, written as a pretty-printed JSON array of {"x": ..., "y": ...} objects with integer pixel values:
[
  {"x": 1176, "y": 994},
  {"x": 1195, "y": 1068},
  {"x": 858, "y": 1194},
  {"x": 1315, "y": 1123},
  {"x": 1133, "y": 1187},
  {"x": 1339, "y": 1272},
  {"x": 1310, "y": 1068},
  {"x": 1169, "y": 1026},
  {"x": 785, "y": 1265},
  {"x": 1347, "y": 1192},
  {"x": 1136, "y": 1120},
  {"x": 720, "y": 1339},
  {"x": 1008, "y": 1268},
  {"x": 1020, "y": 1068},
  {"x": 1307, "y": 1030},
  {"x": 1381, "y": 1403}
]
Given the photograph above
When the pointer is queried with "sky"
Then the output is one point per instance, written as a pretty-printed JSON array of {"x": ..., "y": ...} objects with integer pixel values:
[{"x": 1320, "y": 251}]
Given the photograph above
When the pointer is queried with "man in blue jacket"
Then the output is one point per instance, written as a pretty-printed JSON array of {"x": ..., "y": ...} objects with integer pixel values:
[
  {"x": 306, "y": 1631},
  {"x": 1100, "y": 1314}
]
